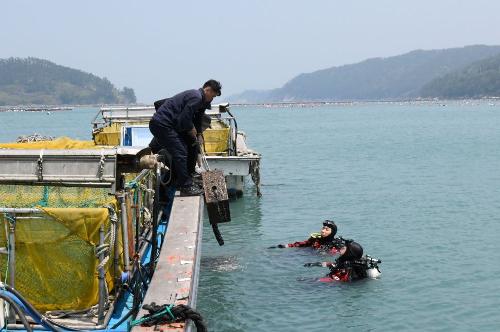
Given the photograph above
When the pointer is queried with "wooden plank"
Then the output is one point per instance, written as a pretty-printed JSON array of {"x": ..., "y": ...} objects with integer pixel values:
[{"x": 176, "y": 276}]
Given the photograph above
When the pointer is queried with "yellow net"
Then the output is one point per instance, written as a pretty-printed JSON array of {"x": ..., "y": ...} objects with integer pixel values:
[
  {"x": 19, "y": 196},
  {"x": 62, "y": 143},
  {"x": 56, "y": 266}
]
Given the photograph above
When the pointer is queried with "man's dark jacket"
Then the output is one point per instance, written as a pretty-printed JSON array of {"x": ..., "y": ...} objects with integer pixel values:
[{"x": 183, "y": 111}]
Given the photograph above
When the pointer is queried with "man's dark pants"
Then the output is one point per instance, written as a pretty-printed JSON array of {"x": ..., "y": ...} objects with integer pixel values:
[
  {"x": 171, "y": 140},
  {"x": 192, "y": 156}
]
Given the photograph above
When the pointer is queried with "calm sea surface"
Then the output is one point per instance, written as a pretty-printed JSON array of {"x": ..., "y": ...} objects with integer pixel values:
[{"x": 417, "y": 185}]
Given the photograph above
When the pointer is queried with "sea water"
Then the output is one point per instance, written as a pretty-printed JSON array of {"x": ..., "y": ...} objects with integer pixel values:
[{"x": 417, "y": 185}]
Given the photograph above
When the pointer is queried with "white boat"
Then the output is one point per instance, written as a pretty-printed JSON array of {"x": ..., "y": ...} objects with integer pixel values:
[{"x": 225, "y": 146}]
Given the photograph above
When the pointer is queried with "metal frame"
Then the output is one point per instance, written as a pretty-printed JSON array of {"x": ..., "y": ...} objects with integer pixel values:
[
  {"x": 85, "y": 167},
  {"x": 73, "y": 156}
]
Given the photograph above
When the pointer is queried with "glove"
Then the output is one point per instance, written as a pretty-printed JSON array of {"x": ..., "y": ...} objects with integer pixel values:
[
  {"x": 313, "y": 264},
  {"x": 278, "y": 246},
  {"x": 197, "y": 146}
]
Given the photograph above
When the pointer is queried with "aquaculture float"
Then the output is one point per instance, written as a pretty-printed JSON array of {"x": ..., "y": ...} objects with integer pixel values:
[{"x": 90, "y": 235}]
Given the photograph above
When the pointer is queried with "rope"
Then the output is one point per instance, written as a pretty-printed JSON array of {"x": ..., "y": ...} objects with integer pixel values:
[
  {"x": 131, "y": 184},
  {"x": 163, "y": 314},
  {"x": 18, "y": 311},
  {"x": 39, "y": 172},
  {"x": 100, "y": 170}
]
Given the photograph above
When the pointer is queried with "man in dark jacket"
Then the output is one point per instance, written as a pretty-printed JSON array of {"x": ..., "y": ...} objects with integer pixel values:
[{"x": 176, "y": 118}]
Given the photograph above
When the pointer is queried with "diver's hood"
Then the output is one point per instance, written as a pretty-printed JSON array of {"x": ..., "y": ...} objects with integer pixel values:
[{"x": 353, "y": 251}]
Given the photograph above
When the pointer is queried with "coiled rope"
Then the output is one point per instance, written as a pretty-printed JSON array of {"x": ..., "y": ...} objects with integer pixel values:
[{"x": 164, "y": 314}]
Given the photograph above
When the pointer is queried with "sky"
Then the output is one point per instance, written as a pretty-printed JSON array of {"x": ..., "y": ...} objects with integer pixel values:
[{"x": 159, "y": 48}]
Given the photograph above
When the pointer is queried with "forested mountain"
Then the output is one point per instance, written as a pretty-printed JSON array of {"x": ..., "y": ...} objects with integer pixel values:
[
  {"x": 398, "y": 77},
  {"x": 480, "y": 79},
  {"x": 33, "y": 81}
]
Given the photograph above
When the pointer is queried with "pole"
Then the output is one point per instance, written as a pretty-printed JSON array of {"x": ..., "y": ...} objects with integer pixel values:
[
  {"x": 102, "y": 286},
  {"x": 126, "y": 260}
]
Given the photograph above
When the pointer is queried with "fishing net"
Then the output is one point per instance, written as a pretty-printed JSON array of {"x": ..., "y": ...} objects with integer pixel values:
[
  {"x": 56, "y": 264},
  {"x": 24, "y": 196},
  {"x": 62, "y": 143},
  {"x": 56, "y": 267}
]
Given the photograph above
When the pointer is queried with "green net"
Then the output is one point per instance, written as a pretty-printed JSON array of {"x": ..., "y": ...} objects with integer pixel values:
[{"x": 16, "y": 196}]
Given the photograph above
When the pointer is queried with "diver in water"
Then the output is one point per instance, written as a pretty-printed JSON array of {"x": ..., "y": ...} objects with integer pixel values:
[
  {"x": 323, "y": 241},
  {"x": 351, "y": 265}
]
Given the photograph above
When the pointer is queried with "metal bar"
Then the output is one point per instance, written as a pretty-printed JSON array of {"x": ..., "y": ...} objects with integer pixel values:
[
  {"x": 138, "y": 209},
  {"x": 141, "y": 175},
  {"x": 126, "y": 260},
  {"x": 116, "y": 260},
  {"x": 155, "y": 222},
  {"x": 53, "y": 153},
  {"x": 102, "y": 286},
  {"x": 20, "y": 210},
  {"x": 54, "y": 179},
  {"x": 57, "y": 182},
  {"x": 11, "y": 252}
]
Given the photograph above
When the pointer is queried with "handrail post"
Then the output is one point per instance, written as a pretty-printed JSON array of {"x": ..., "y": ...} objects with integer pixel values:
[{"x": 124, "y": 219}]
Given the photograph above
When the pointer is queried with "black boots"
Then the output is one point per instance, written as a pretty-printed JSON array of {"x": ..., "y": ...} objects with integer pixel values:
[{"x": 193, "y": 190}]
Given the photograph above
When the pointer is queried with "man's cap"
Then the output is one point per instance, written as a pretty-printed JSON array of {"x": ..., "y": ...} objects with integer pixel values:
[{"x": 214, "y": 85}]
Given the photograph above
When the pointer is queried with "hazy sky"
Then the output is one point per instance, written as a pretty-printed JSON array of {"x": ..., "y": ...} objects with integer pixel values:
[{"x": 162, "y": 47}]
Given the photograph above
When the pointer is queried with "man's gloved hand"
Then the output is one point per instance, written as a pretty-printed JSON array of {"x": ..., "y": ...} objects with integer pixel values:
[
  {"x": 313, "y": 264},
  {"x": 278, "y": 246},
  {"x": 193, "y": 133},
  {"x": 197, "y": 145}
]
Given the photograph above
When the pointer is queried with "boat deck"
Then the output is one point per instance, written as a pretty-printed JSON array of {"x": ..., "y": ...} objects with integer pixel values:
[{"x": 175, "y": 280}]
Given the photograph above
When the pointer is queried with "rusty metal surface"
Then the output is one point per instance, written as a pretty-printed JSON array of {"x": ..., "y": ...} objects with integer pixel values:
[
  {"x": 214, "y": 185},
  {"x": 176, "y": 276},
  {"x": 216, "y": 197}
]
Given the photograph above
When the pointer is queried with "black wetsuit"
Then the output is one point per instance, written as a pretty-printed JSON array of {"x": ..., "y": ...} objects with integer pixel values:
[
  {"x": 170, "y": 126},
  {"x": 330, "y": 244}
]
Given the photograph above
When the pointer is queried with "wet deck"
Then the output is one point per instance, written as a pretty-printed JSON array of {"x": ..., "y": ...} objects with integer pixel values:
[{"x": 176, "y": 276}]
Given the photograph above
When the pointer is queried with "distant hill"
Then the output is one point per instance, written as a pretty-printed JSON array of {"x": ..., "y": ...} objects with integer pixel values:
[
  {"x": 477, "y": 80},
  {"x": 33, "y": 81},
  {"x": 397, "y": 77}
]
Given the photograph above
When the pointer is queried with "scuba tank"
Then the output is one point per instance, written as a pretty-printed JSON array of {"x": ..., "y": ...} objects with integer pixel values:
[
  {"x": 372, "y": 270},
  {"x": 364, "y": 267},
  {"x": 367, "y": 266}
]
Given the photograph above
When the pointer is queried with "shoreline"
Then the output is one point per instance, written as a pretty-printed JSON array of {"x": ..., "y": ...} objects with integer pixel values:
[{"x": 442, "y": 102}]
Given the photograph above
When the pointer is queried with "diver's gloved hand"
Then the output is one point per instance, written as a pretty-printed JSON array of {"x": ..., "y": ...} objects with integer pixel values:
[
  {"x": 278, "y": 246},
  {"x": 313, "y": 264}
]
